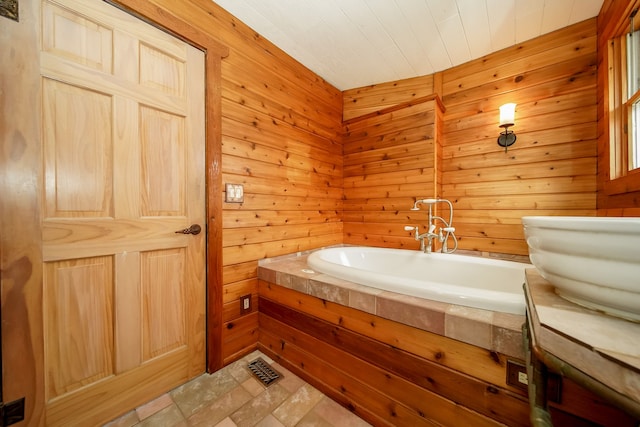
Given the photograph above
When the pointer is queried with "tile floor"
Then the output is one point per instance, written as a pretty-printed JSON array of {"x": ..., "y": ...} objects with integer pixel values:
[{"x": 232, "y": 397}]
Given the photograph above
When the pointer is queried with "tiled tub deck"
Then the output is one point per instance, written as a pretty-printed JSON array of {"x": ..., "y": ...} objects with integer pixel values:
[{"x": 494, "y": 331}]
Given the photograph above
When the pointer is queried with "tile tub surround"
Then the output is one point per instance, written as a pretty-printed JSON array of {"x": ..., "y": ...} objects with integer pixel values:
[
  {"x": 232, "y": 397},
  {"x": 494, "y": 331}
]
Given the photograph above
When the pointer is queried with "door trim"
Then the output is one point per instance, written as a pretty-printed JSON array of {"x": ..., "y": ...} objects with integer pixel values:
[{"x": 165, "y": 19}]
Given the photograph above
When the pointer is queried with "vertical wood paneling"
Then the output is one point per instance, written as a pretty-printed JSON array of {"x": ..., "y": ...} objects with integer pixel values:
[{"x": 551, "y": 170}]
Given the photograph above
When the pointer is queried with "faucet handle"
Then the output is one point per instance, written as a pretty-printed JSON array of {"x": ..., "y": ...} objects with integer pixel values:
[
  {"x": 449, "y": 229},
  {"x": 409, "y": 228}
]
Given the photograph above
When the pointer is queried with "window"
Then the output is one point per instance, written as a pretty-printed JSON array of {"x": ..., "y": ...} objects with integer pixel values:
[
  {"x": 632, "y": 104},
  {"x": 624, "y": 95}
]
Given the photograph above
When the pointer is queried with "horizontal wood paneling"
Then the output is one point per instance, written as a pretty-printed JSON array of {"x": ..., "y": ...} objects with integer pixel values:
[
  {"x": 551, "y": 170},
  {"x": 380, "y": 152},
  {"x": 551, "y": 167},
  {"x": 453, "y": 354},
  {"x": 240, "y": 336},
  {"x": 361, "y": 101},
  {"x": 375, "y": 365}
]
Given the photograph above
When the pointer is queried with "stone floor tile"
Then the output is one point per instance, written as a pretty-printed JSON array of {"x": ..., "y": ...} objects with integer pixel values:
[
  {"x": 233, "y": 397},
  {"x": 239, "y": 370},
  {"x": 199, "y": 392},
  {"x": 150, "y": 408},
  {"x": 221, "y": 408},
  {"x": 226, "y": 423},
  {"x": 127, "y": 420},
  {"x": 338, "y": 415},
  {"x": 289, "y": 380},
  {"x": 253, "y": 386},
  {"x": 297, "y": 405},
  {"x": 269, "y": 421},
  {"x": 313, "y": 419},
  {"x": 168, "y": 417},
  {"x": 259, "y": 407}
]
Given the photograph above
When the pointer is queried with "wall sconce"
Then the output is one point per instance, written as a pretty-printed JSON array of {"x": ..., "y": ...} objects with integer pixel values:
[{"x": 507, "y": 119}]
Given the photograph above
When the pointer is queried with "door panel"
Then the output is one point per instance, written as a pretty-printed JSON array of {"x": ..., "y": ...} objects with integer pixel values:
[
  {"x": 123, "y": 144},
  {"x": 160, "y": 71},
  {"x": 77, "y": 38},
  {"x": 77, "y": 150},
  {"x": 77, "y": 308},
  {"x": 163, "y": 302},
  {"x": 162, "y": 144}
]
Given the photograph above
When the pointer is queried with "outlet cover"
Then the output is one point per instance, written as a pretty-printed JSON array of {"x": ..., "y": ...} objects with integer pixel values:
[
  {"x": 517, "y": 375},
  {"x": 234, "y": 193},
  {"x": 245, "y": 304}
]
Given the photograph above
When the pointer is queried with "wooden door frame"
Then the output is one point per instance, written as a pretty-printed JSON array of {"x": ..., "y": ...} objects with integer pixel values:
[{"x": 167, "y": 20}]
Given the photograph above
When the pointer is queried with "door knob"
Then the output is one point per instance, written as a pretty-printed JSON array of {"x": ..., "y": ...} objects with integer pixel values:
[{"x": 194, "y": 229}]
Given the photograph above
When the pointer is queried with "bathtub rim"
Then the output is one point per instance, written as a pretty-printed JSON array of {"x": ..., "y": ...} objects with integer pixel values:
[{"x": 510, "y": 303}]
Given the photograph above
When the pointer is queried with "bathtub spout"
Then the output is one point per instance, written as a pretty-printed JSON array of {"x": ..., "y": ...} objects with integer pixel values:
[{"x": 427, "y": 246}]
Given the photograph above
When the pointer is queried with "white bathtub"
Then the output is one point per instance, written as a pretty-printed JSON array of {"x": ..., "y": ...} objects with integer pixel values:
[{"x": 456, "y": 279}]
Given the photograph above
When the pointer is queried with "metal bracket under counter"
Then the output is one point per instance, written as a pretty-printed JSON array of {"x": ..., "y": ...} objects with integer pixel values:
[{"x": 541, "y": 363}]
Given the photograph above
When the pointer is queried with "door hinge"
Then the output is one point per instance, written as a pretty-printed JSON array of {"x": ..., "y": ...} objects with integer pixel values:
[{"x": 11, "y": 412}]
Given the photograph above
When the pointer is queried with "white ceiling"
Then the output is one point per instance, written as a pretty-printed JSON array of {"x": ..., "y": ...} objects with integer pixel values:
[{"x": 354, "y": 43}]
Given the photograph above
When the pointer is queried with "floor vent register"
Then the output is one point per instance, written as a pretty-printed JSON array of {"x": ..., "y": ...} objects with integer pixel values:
[{"x": 265, "y": 373}]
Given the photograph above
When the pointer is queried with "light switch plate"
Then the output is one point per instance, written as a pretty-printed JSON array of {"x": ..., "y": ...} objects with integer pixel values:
[{"x": 234, "y": 193}]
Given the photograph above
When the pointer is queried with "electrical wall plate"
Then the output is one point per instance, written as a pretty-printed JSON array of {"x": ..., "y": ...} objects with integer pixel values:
[
  {"x": 245, "y": 304},
  {"x": 234, "y": 193},
  {"x": 517, "y": 375}
]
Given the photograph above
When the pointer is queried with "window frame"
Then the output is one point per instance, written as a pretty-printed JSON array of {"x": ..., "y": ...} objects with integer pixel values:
[{"x": 620, "y": 177}]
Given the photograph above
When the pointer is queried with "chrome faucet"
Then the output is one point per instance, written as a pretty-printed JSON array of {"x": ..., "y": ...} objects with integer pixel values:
[{"x": 443, "y": 233}]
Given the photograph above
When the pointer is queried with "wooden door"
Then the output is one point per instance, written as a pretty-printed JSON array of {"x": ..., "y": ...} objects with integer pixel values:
[{"x": 123, "y": 294}]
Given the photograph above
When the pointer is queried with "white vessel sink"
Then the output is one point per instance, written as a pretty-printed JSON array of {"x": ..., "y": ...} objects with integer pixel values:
[{"x": 592, "y": 261}]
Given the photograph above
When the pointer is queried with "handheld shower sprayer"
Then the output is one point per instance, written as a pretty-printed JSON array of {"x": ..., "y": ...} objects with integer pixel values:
[{"x": 425, "y": 202}]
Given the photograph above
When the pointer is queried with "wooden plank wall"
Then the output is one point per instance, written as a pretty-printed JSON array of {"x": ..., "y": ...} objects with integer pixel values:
[
  {"x": 369, "y": 99},
  {"x": 281, "y": 139},
  {"x": 624, "y": 202},
  {"x": 389, "y": 159},
  {"x": 551, "y": 170}
]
